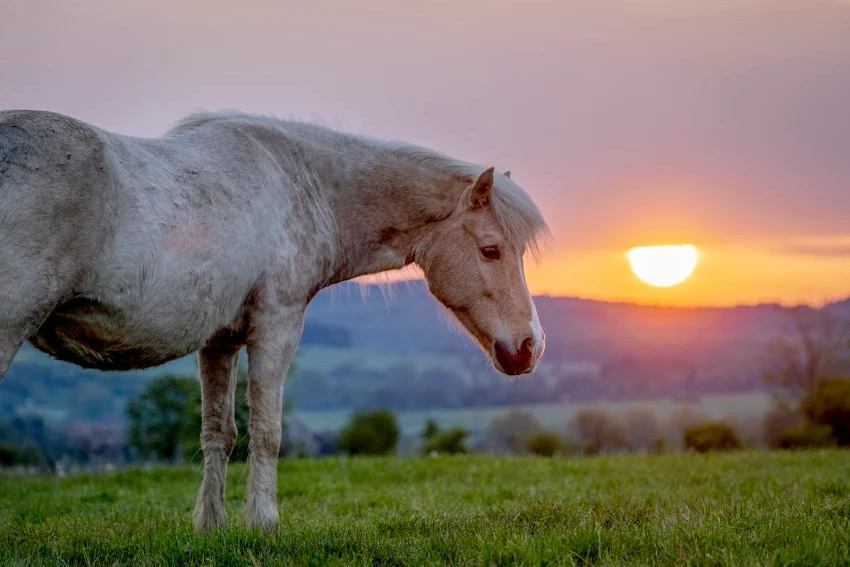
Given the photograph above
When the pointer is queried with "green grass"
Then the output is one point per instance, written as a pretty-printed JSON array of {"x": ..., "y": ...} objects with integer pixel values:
[{"x": 735, "y": 509}]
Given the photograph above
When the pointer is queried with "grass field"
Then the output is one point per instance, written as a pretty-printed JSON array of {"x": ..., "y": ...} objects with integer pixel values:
[{"x": 734, "y": 509}]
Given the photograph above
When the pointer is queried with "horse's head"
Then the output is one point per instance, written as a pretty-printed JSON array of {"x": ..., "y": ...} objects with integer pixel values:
[{"x": 473, "y": 263}]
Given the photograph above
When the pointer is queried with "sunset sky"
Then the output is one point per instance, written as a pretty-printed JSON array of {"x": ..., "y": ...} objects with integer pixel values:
[{"x": 720, "y": 123}]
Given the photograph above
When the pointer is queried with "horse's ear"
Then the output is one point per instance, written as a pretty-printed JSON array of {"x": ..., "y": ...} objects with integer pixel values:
[
  {"x": 507, "y": 174},
  {"x": 480, "y": 195}
]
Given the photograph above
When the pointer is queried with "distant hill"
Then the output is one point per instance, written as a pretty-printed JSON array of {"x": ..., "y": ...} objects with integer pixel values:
[
  {"x": 391, "y": 346},
  {"x": 840, "y": 308}
]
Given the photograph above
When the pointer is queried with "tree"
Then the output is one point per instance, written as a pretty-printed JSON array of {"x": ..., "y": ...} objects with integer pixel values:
[
  {"x": 372, "y": 433},
  {"x": 166, "y": 418},
  {"x": 829, "y": 406},
  {"x": 600, "y": 431},
  {"x": 512, "y": 430},
  {"x": 806, "y": 370},
  {"x": 815, "y": 348},
  {"x": 642, "y": 428},
  {"x": 157, "y": 418},
  {"x": 191, "y": 432}
]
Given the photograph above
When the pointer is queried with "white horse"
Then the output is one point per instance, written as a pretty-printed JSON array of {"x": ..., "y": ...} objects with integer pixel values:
[{"x": 120, "y": 253}]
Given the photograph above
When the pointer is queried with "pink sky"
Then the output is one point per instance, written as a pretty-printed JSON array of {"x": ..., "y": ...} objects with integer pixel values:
[{"x": 717, "y": 122}]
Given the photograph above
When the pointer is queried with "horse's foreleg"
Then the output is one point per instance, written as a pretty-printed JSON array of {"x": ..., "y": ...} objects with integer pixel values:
[
  {"x": 271, "y": 345},
  {"x": 218, "y": 372},
  {"x": 17, "y": 324},
  {"x": 30, "y": 290},
  {"x": 8, "y": 350}
]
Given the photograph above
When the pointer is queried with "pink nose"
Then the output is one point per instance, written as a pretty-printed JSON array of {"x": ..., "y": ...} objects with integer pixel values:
[{"x": 518, "y": 362}]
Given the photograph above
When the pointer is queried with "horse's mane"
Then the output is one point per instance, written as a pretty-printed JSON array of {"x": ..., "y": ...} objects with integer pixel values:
[{"x": 517, "y": 214}]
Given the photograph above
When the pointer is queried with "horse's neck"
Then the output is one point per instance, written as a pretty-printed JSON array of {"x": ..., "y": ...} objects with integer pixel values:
[{"x": 381, "y": 201}]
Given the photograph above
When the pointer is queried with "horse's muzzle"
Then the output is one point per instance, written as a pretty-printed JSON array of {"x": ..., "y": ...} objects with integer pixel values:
[{"x": 515, "y": 362}]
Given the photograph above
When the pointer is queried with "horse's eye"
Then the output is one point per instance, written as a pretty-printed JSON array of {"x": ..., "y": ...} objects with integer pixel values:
[{"x": 491, "y": 252}]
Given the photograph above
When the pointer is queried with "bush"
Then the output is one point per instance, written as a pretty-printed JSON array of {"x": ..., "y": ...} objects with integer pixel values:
[
  {"x": 658, "y": 447},
  {"x": 545, "y": 444},
  {"x": 10, "y": 455},
  {"x": 374, "y": 433},
  {"x": 780, "y": 420},
  {"x": 829, "y": 406},
  {"x": 717, "y": 436},
  {"x": 431, "y": 429},
  {"x": 599, "y": 432},
  {"x": 450, "y": 441},
  {"x": 807, "y": 435}
]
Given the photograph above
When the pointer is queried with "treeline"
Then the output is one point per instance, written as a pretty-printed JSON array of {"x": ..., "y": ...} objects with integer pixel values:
[
  {"x": 164, "y": 426},
  {"x": 808, "y": 370},
  {"x": 824, "y": 421},
  {"x": 29, "y": 441}
]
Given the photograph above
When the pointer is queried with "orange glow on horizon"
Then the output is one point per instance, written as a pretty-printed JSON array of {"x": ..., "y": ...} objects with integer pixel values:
[{"x": 727, "y": 276}]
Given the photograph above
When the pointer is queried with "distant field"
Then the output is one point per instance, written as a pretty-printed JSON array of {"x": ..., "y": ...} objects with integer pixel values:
[
  {"x": 554, "y": 416},
  {"x": 326, "y": 359},
  {"x": 736, "y": 509}
]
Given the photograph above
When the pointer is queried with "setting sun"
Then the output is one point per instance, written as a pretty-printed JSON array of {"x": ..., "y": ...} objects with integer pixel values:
[{"x": 663, "y": 266}]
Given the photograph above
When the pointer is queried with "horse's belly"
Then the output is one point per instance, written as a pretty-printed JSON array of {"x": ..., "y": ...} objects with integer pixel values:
[
  {"x": 100, "y": 349},
  {"x": 92, "y": 335}
]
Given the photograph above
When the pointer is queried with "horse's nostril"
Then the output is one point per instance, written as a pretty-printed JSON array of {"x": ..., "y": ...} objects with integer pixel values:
[
  {"x": 502, "y": 350},
  {"x": 515, "y": 362}
]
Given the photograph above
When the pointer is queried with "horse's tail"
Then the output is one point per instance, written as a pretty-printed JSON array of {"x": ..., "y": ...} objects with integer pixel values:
[{"x": 52, "y": 226}]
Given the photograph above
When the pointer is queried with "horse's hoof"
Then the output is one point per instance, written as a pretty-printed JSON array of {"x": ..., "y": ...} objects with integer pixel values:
[
  {"x": 263, "y": 517},
  {"x": 208, "y": 518}
]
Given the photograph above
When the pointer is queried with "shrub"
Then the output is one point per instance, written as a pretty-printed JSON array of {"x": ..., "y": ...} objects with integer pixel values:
[
  {"x": 806, "y": 435},
  {"x": 829, "y": 406},
  {"x": 450, "y": 441},
  {"x": 658, "y": 447},
  {"x": 780, "y": 420},
  {"x": 374, "y": 433},
  {"x": 431, "y": 429},
  {"x": 9, "y": 455},
  {"x": 545, "y": 444},
  {"x": 717, "y": 436}
]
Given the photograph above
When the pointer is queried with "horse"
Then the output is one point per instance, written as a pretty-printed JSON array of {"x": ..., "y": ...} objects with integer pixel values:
[{"x": 121, "y": 253}]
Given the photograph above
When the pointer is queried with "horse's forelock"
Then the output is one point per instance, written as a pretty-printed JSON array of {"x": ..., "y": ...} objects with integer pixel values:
[{"x": 518, "y": 216}]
